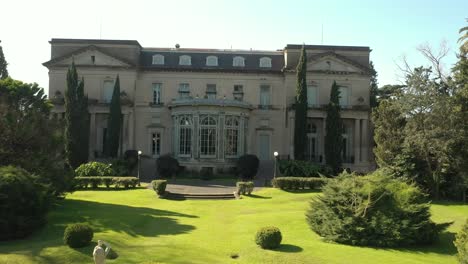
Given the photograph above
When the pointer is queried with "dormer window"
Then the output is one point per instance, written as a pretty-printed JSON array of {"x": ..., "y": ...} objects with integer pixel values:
[
  {"x": 158, "y": 59},
  {"x": 211, "y": 61},
  {"x": 185, "y": 60},
  {"x": 238, "y": 61},
  {"x": 265, "y": 62}
]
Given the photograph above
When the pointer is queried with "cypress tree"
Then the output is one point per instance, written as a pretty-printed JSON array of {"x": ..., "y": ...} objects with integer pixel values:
[
  {"x": 76, "y": 120},
  {"x": 3, "y": 65},
  {"x": 300, "y": 133},
  {"x": 334, "y": 130},
  {"x": 114, "y": 122}
]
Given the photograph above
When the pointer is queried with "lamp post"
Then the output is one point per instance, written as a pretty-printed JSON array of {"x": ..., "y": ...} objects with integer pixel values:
[
  {"x": 276, "y": 158},
  {"x": 139, "y": 155}
]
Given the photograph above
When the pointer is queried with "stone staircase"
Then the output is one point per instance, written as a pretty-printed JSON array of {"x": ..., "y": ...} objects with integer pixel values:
[{"x": 199, "y": 196}]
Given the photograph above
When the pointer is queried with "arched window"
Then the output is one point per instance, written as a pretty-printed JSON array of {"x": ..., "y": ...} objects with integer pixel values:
[
  {"x": 265, "y": 62},
  {"x": 185, "y": 60},
  {"x": 211, "y": 61},
  {"x": 208, "y": 127},
  {"x": 238, "y": 61},
  {"x": 185, "y": 135},
  {"x": 231, "y": 136},
  {"x": 158, "y": 59}
]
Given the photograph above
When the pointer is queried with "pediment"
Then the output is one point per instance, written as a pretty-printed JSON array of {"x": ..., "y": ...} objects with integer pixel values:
[
  {"x": 89, "y": 56},
  {"x": 331, "y": 62}
]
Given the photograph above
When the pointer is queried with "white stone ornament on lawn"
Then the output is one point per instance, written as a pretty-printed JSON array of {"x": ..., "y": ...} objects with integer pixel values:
[{"x": 99, "y": 254}]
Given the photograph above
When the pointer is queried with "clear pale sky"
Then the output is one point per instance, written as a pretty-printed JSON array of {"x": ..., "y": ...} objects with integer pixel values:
[{"x": 390, "y": 28}]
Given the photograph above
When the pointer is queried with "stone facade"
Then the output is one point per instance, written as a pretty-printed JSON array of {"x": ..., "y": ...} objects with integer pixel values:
[{"x": 207, "y": 107}]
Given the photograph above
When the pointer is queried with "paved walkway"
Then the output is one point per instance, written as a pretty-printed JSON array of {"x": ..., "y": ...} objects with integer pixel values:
[{"x": 195, "y": 186}]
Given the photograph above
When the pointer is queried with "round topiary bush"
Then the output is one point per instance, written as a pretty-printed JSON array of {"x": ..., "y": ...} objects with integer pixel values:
[
  {"x": 95, "y": 168},
  {"x": 268, "y": 237},
  {"x": 461, "y": 242},
  {"x": 23, "y": 203},
  {"x": 373, "y": 210},
  {"x": 247, "y": 166},
  {"x": 78, "y": 235},
  {"x": 167, "y": 166}
]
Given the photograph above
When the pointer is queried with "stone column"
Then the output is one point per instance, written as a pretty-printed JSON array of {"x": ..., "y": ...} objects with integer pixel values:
[
  {"x": 365, "y": 141},
  {"x": 220, "y": 138},
  {"x": 357, "y": 141},
  {"x": 195, "y": 140},
  {"x": 322, "y": 138},
  {"x": 131, "y": 124},
  {"x": 291, "y": 137},
  {"x": 241, "y": 139},
  {"x": 92, "y": 135},
  {"x": 125, "y": 132}
]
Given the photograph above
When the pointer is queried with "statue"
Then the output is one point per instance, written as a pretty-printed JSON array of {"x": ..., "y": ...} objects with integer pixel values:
[{"x": 99, "y": 254}]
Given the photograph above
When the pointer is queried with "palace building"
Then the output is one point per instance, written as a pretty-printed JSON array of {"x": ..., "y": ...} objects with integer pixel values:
[{"x": 206, "y": 107}]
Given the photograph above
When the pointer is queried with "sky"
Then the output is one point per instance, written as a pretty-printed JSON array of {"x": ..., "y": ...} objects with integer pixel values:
[{"x": 392, "y": 29}]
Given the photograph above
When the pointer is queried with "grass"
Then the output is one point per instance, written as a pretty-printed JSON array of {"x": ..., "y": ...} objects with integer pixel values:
[{"x": 142, "y": 228}]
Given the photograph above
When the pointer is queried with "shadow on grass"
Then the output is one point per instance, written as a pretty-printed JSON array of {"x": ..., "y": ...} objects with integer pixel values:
[
  {"x": 443, "y": 246},
  {"x": 259, "y": 196},
  {"x": 133, "y": 221},
  {"x": 288, "y": 248}
]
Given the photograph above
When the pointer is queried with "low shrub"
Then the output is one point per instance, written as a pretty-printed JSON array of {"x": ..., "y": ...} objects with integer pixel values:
[
  {"x": 374, "y": 210},
  {"x": 107, "y": 181},
  {"x": 245, "y": 188},
  {"x": 125, "y": 182},
  {"x": 78, "y": 235},
  {"x": 95, "y": 168},
  {"x": 299, "y": 168},
  {"x": 95, "y": 182},
  {"x": 159, "y": 186},
  {"x": 268, "y": 237},
  {"x": 23, "y": 203},
  {"x": 167, "y": 166},
  {"x": 461, "y": 242},
  {"x": 247, "y": 166},
  {"x": 296, "y": 183}
]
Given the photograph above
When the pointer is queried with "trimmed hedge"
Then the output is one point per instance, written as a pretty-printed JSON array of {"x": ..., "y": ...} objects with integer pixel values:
[
  {"x": 159, "y": 186},
  {"x": 78, "y": 235},
  {"x": 85, "y": 182},
  {"x": 245, "y": 188},
  {"x": 296, "y": 183},
  {"x": 461, "y": 242},
  {"x": 300, "y": 168},
  {"x": 268, "y": 237}
]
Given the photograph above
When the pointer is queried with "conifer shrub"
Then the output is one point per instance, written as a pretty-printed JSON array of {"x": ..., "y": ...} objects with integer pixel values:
[
  {"x": 373, "y": 210},
  {"x": 78, "y": 235},
  {"x": 167, "y": 166},
  {"x": 268, "y": 237},
  {"x": 461, "y": 242},
  {"x": 247, "y": 166},
  {"x": 23, "y": 203}
]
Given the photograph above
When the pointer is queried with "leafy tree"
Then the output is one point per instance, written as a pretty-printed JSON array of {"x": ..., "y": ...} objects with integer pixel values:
[
  {"x": 114, "y": 122},
  {"x": 300, "y": 133},
  {"x": 76, "y": 120},
  {"x": 334, "y": 130},
  {"x": 29, "y": 138},
  {"x": 3, "y": 65},
  {"x": 374, "y": 88}
]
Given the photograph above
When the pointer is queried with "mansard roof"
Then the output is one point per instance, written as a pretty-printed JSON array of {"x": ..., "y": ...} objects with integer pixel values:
[
  {"x": 225, "y": 60},
  {"x": 329, "y": 47}
]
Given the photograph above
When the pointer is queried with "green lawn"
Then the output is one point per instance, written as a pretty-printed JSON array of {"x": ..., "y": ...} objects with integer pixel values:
[{"x": 142, "y": 228}]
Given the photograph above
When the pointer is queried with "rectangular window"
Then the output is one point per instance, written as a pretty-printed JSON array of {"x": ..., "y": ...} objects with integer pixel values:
[
  {"x": 185, "y": 138},
  {"x": 108, "y": 89},
  {"x": 184, "y": 90},
  {"x": 311, "y": 96},
  {"x": 264, "y": 96},
  {"x": 344, "y": 96},
  {"x": 238, "y": 93},
  {"x": 157, "y": 93},
  {"x": 156, "y": 144},
  {"x": 211, "y": 91}
]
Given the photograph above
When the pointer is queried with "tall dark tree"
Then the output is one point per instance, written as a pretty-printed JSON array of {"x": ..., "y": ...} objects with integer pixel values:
[
  {"x": 374, "y": 89},
  {"x": 3, "y": 65},
  {"x": 76, "y": 120},
  {"x": 114, "y": 122},
  {"x": 334, "y": 130},
  {"x": 300, "y": 133}
]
